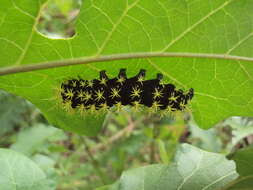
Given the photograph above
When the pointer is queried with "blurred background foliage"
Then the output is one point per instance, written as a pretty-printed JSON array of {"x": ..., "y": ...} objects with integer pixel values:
[{"x": 128, "y": 140}]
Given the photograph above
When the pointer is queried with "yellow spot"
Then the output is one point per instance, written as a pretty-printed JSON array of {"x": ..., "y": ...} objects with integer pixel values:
[
  {"x": 100, "y": 95},
  {"x": 157, "y": 93},
  {"x": 82, "y": 83},
  {"x": 135, "y": 92},
  {"x": 121, "y": 80},
  {"x": 115, "y": 93},
  {"x": 103, "y": 81},
  {"x": 69, "y": 93},
  {"x": 140, "y": 79},
  {"x": 90, "y": 83}
]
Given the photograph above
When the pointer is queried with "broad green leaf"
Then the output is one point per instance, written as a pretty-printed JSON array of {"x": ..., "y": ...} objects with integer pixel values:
[
  {"x": 47, "y": 165},
  {"x": 243, "y": 159},
  {"x": 107, "y": 187},
  {"x": 20, "y": 173},
  {"x": 12, "y": 110},
  {"x": 193, "y": 169},
  {"x": 36, "y": 138},
  {"x": 206, "y": 45}
]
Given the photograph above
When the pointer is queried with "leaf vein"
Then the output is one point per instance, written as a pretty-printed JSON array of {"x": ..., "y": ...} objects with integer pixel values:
[
  {"x": 189, "y": 29},
  {"x": 239, "y": 43},
  {"x": 107, "y": 39}
]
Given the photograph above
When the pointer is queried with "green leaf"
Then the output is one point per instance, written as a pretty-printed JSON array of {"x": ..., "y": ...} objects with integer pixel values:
[
  {"x": 206, "y": 45},
  {"x": 107, "y": 187},
  {"x": 20, "y": 173},
  {"x": 47, "y": 165},
  {"x": 243, "y": 159},
  {"x": 12, "y": 110},
  {"x": 34, "y": 138},
  {"x": 193, "y": 169}
]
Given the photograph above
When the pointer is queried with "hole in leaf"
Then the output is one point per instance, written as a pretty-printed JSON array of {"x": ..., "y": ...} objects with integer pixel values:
[{"x": 58, "y": 17}]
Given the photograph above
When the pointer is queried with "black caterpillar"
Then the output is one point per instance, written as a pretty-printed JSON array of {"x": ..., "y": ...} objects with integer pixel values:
[{"x": 103, "y": 93}]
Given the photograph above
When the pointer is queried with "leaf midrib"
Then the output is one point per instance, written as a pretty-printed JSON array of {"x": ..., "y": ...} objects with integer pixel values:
[{"x": 114, "y": 57}]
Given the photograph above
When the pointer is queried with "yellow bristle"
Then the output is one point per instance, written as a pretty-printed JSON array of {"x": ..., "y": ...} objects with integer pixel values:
[
  {"x": 87, "y": 96},
  {"x": 173, "y": 97},
  {"x": 90, "y": 83},
  {"x": 81, "y": 109},
  {"x": 67, "y": 107},
  {"x": 114, "y": 93},
  {"x": 135, "y": 92},
  {"x": 82, "y": 84},
  {"x": 92, "y": 109},
  {"x": 157, "y": 93},
  {"x": 182, "y": 105},
  {"x": 99, "y": 95},
  {"x": 141, "y": 79},
  {"x": 136, "y": 106},
  {"x": 103, "y": 81},
  {"x": 74, "y": 83},
  {"x": 69, "y": 93},
  {"x": 118, "y": 106},
  {"x": 121, "y": 80},
  {"x": 104, "y": 107},
  {"x": 155, "y": 107}
]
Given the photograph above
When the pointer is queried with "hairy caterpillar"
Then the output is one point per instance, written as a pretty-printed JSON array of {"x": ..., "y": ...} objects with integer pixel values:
[{"x": 103, "y": 93}]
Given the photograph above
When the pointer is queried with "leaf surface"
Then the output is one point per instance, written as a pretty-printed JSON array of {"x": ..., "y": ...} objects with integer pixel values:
[
  {"x": 206, "y": 45},
  {"x": 243, "y": 159},
  {"x": 20, "y": 173},
  {"x": 193, "y": 169}
]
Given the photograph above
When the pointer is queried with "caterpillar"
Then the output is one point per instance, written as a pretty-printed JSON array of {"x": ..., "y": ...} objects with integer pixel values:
[{"x": 103, "y": 93}]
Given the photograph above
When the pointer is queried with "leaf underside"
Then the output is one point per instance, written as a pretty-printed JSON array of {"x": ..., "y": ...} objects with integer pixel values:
[
  {"x": 19, "y": 172},
  {"x": 223, "y": 87},
  {"x": 193, "y": 169}
]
